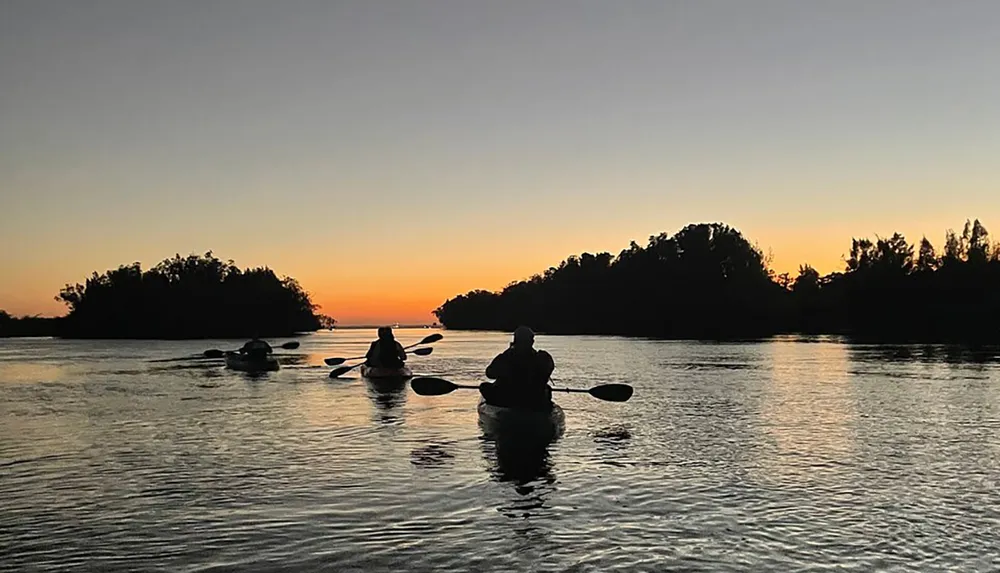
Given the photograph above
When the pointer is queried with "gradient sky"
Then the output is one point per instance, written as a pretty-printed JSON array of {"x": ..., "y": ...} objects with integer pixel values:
[{"x": 391, "y": 154}]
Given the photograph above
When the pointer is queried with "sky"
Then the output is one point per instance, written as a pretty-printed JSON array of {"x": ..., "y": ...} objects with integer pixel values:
[{"x": 392, "y": 154}]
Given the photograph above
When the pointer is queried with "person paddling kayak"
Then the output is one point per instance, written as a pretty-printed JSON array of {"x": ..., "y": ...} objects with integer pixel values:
[
  {"x": 385, "y": 352},
  {"x": 256, "y": 349},
  {"x": 522, "y": 375}
]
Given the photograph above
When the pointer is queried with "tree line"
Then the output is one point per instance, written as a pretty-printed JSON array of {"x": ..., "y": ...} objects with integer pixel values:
[
  {"x": 182, "y": 297},
  {"x": 709, "y": 282},
  {"x": 27, "y": 325}
]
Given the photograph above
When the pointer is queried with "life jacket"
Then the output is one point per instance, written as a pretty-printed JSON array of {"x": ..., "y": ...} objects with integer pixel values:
[
  {"x": 524, "y": 369},
  {"x": 522, "y": 380},
  {"x": 388, "y": 353}
]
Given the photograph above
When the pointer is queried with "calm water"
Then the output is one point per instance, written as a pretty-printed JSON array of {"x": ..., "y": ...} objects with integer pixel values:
[{"x": 784, "y": 456}]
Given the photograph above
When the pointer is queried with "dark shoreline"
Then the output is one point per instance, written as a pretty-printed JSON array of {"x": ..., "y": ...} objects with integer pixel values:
[
  {"x": 194, "y": 297},
  {"x": 910, "y": 344},
  {"x": 105, "y": 336},
  {"x": 54, "y": 331},
  {"x": 846, "y": 337},
  {"x": 708, "y": 282}
]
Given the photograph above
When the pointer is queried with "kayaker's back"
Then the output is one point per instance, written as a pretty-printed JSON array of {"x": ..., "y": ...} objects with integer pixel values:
[
  {"x": 522, "y": 376},
  {"x": 385, "y": 352},
  {"x": 521, "y": 367}
]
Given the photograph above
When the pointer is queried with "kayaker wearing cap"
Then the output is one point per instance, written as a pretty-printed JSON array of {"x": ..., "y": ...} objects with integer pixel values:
[
  {"x": 521, "y": 374},
  {"x": 256, "y": 348},
  {"x": 385, "y": 352}
]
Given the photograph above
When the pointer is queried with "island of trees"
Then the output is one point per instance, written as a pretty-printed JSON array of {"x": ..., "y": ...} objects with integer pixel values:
[
  {"x": 708, "y": 282},
  {"x": 181, "y": 297}
]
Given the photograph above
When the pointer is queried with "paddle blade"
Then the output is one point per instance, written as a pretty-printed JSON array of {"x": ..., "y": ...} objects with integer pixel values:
[
  {"x": 428, "y": 386},
  {"x": 432, "y": 338},
  {"x": 291, "y": 345},
  {"x": 423, "y": 351},
  {"x": 342, "y": 370},
  {"x": 334, "y": 361},
  {"x": 612, "y": 392},
  {"x": 214, "y": 353}
]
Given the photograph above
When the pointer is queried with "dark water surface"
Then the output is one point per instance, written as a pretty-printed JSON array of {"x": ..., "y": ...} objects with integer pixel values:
[{"x": 783, "y": 456}]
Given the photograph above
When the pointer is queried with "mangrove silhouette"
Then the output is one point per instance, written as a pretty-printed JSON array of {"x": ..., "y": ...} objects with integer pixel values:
[
  {"x": 187, "y": 297},
  {"x": 11, "y": 326},
  {"x": 709, "y": 282}
]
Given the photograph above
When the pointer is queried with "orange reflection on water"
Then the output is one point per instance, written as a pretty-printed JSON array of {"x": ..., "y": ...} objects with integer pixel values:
[
  {"x": 452, "y": 411},
  {"x": 31, "y": 372},
  {"x": 333, "y": 404},
  {"x": 807, "y": 410}
]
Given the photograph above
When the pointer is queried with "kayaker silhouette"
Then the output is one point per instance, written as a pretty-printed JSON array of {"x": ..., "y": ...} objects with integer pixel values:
[
  {"x": 256, "y": 348},
  {"x": 386, "y": 352},
  {"x": 521, "y": 374}
]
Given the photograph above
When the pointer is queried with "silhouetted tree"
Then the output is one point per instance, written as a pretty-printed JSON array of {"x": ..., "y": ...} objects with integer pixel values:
[
  {"x": 707, "y": 281},
  {"x": 927, "y": 260},
  {"x": 27, "y": 325},
  {"x": 807, "y": 283},
  {"x": 784, "y": 280},
  {"x": 978, "y": 244},
  {"x": 889, "y": 296},
  {"x": 187, "y": 297},
  {"x": 954, "y": 250}
]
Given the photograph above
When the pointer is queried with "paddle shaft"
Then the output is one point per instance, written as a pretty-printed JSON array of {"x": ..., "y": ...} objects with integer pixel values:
[
  {"x": 580, "y": 390},
  {"x": 337, "y": 372},
  {"x": 431, "y": 386},
  {"x": 468, "y": 387},
  {"x": 335, "y": 361},
  {"x": 216, "y": 353}
]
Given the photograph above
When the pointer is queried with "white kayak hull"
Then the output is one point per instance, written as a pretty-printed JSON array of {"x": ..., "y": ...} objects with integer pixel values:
[
  {"x": 245, "y": 364},
  {"x": 375, "y": 372}
]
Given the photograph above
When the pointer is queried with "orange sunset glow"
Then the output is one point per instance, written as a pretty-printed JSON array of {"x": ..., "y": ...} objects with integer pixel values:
[
  {"x": 359, "y": 291},
  {"x": 387, "y": 170}
]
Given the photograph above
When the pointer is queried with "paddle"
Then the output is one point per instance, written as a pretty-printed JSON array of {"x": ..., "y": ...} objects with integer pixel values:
[
  {"x": 427, "y": 340},
  {"x": 336, "y": 361},
  {"x": 336, "y": 372},
  {"x": 345, "y": 369},
  {"x": 428, "y": 386},
  {"x": 216, "y": 353}
]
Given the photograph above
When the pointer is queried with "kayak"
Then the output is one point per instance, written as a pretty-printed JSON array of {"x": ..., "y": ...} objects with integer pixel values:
[
  {"x": 235, "y": 361},
  {"x": 377, "y": 372},
  {"x": 540, "y": 424}
]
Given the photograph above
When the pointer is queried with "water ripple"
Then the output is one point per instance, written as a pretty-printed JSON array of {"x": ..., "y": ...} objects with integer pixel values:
[{"x": 778, "y": 456}]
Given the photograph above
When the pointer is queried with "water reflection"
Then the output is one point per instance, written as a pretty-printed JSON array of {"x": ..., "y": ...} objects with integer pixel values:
[
  {"x": 521, "y": 458},
  {"x": 807, "y": 413},
  {"x": 433, "y": 455},
  {"x": 527, "y": 466},
  {"x": 256, "y": 376},
  {"x": 21, "y": 372},
  {"x": 389, "y": 396},
  {"x": 293, "y": 359},
  {"x": 925, "y": 353},
  {"x": 758, "y": 457},
  {"x": 200, "y": 369},
  {"x": 520, "y": 462},
  {"x": 614, "y": 438}
]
